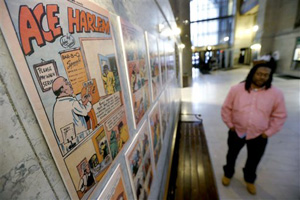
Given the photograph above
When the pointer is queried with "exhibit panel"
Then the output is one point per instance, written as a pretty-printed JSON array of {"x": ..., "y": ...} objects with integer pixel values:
[
  {"x": 71, "y": 77},
  {"x": 137, "y": 68},
  {"x": 140, "y": 164},
  {"x": 153, "y": 62}
]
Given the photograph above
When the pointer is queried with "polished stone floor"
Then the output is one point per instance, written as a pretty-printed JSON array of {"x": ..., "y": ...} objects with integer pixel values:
[{"x": 278, "y": 172}]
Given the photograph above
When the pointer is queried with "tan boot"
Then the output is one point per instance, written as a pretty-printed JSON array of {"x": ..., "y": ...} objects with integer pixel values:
[
  {"x": 251, "y": 188},
  {"x": 225, "y": 181}
]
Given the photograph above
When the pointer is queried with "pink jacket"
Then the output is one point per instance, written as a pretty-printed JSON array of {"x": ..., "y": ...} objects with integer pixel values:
[{"x": 254, "y": 113}]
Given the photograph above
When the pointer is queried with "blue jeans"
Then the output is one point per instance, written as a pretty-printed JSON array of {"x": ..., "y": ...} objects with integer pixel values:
[{"x": 255, "y": 148}]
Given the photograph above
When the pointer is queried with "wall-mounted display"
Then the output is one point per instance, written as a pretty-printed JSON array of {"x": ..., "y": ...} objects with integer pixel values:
[
  {"x": 64, "y": 53},
  {"x": 154, "y": 66},
  {"x": 139, "y": 163},
  {"x": 115, "y": 188},
  {"x": 155, "y": 128},
  {"x": 170, "y": 59},
  {"x": 165, "y": 112},
  {"x": 135, "y": 54},
  {"x": 162, "y": 57}
]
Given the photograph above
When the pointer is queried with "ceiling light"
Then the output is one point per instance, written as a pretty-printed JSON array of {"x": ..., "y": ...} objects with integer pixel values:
[
  {"x": 255, "y": 46},
  {"x": 255, "y": 28},
  {"x": 226, "y": 39},
  {"x": 181, "y": 46},
  {"x": 176, "y": 31}
]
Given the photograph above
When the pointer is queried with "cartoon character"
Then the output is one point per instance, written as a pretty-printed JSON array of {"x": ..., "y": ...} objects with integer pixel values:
[
  {"x": 86, "y": 180},
  {"x": 109, "y": 80},
  {"x": 68, "y": 110},
  {"x": 104, "y": 149},
  {"x": 113, "y": 144},
  {"x": 123, "y": 134}
]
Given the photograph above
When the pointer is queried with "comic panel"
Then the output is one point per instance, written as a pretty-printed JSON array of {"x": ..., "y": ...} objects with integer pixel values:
[
  {"x": 82, "y": 168},
  {"x": 135, "y": 53},
  {"x": 154, "y": 66},
  {"x": 165, "y": 113},
  {"x": 139, "y": 163},
  {"x": 114, "y": 189},
  {"x": 117, "y": 131},
  {"x": 155, "y": 127}
]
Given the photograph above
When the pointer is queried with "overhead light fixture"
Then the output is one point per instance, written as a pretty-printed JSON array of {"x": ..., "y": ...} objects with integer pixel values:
[
  {"x": 255, "y": 28},
  {"x": 160, "y": 27},
  {"x": 181, "y": 46},
  {"x": 193, "y": 48},
  {"x": 176, "y": 31},
  {"x": 209, "y": 48},
  {"x": 226, "y": 39},
  {"x": 171, "y": 32},
  {"x": 185, "y": 22},
  {"x": 256, "y": 46}
]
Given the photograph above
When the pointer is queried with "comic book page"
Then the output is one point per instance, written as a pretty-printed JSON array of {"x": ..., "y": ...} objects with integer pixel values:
[
  {"x": 135, "y": 53},
  {"x": 65, "y": 55},
  {"x": 154, "y": 66},
  {"x": 139, "y": 164}
]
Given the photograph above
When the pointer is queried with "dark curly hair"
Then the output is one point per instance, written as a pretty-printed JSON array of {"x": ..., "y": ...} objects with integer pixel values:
[{"x": 250, "y": 75}]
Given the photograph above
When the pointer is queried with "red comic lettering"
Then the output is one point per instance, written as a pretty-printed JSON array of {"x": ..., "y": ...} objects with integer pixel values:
[
  {"x": 90, "y": 21},
  {"x": 83, "y": 22},
  {"x": 73, "y": 20},
  {"x": 53, "y": 20},
  {"x": 39, "y": 13},
  {"x": 29, "y": 30}
]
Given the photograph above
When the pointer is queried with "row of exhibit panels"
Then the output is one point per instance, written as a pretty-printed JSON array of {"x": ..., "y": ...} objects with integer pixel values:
[
  {"x": 89, "y": 102},
  {"x": 145, "y": 159}
]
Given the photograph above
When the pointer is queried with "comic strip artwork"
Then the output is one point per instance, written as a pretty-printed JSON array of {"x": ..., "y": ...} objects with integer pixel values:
[
  {"x": 163, "y": 68},
  {"x": 72, "y": 79},
  {"x": 98, "y": 152},
  {"x": 135, "y": 51},
  {"x": 155, "y": 127},
  {"x": 170, "y": 60},
  {"x": 114, "y": 189},
  {"x": 154, "y": 66},
  {"x": 117, "y": 132},
  {"x": 165, "y": 112},
  {"x": 139, "y": 163}
]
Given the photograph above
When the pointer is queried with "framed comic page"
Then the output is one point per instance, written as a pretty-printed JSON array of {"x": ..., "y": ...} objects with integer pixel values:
[
  {"x": 155, "y": 132},
  {"x": 162, "y": 58},
  {"x": 154, "y": 64},
  {"x": 114, "y": 189},
  {"x": 137, "y": 69},
  {"x": 165, "y": 112},
  {"x": 139, "y": 163},
  {"x": 170, "y": 59},
  {"x": 65, "y": 55}
]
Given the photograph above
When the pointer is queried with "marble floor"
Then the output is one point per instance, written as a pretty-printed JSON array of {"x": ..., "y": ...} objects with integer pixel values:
[{"x": 278, "y": 172}]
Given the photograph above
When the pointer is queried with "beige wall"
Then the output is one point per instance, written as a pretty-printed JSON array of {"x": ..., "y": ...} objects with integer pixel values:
[{"x": 279, "y": 34}]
